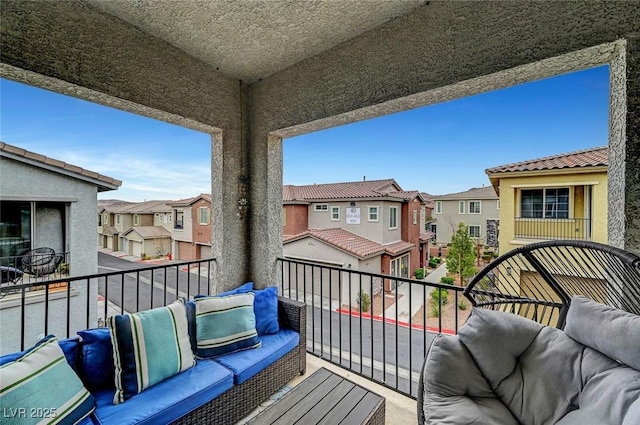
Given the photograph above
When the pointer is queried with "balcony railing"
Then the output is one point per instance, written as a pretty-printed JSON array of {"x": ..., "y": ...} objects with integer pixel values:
[
  {"x": 553, "y": 228},
  {"x": 30, "y": 309},
  {"x": 34, "y": 268},
  {"x": 387, "y": 341}
]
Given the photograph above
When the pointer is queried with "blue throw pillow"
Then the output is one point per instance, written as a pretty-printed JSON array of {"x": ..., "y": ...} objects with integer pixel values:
[
  {"x": 225, "y": 324},
  {"x": 70, "y": 348},
  {"x": 96, "y": 359},
  {"x": 149, "y": 347},
  {"x": 266, "y": 310},
  {"x": 44, "y": 386}
]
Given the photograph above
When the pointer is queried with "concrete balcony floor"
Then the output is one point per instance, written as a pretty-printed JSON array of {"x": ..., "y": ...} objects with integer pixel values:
[{"x": 399, "y": 409}]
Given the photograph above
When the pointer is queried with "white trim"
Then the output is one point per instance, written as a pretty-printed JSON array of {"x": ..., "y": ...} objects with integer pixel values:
[
  {"x": 200, "y": 222},
  {"x": 321, "y": 207},
  {"x": 397, "y": 213},
  {"x": 332, "y": 209},
  {"x": 558, "y": 184},
  {"x": 377, "y": 207},
  {"x": 479, "y": 231},
  {"x": 438, "y": 210},
  {"x": 479, "y": 204},
  {"x": 462, "y": 204}
]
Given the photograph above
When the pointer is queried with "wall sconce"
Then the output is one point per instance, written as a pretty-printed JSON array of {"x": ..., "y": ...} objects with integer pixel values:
[
  {"x": 508, "y": 271},
  {"x": 242, "y": 208}
]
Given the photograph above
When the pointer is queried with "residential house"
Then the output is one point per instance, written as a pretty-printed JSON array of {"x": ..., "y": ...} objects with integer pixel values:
[
  {"x": 136, "y": 228},
  {"x": 47, "y": 203},
  {"x": 477, "y": 207},
  {"x": 191, "y": 230},
  {"x": 371, "y": 226},
  {"x": 112, "y": 221},
  {"x": 556, "y": 197}
]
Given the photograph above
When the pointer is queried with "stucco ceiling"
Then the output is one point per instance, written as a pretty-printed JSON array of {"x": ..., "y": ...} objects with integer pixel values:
[{"x": 252, "y": 39}]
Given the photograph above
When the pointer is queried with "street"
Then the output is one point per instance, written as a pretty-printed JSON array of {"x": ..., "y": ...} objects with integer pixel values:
[{"x": 366, "y": 346}]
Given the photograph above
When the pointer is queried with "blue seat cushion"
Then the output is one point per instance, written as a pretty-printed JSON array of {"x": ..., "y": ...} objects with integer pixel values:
[
  {"x": 168, "y": 400},
  {"x": 70, "y": 348},
  {"x": 248, "y": 363}
]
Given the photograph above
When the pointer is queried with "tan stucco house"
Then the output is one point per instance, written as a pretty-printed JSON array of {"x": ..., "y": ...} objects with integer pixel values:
[{"x": 556, "y": 197}]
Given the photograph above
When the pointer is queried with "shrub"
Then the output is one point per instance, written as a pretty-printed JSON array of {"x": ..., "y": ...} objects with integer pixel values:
[
  {"x": 447, "y": 280},
  {"x": 63, "y": 268},
  {"x": 433, "y": 263},
  {"x": 462, "y": 305},
  {"x": 419, "y": 273},
  {"x": 363, "y": 300},
  {"x": 434, "y": 309},
  {"x": 439, "y": 295}
]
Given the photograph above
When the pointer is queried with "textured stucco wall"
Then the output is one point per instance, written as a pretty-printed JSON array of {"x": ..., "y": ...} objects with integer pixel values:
[
  {"x": 447, "y": 222},
  {"x": 442, "y": 51},
  {"x": 23, "y": 181},
  {"x": 71, "y": 48}
]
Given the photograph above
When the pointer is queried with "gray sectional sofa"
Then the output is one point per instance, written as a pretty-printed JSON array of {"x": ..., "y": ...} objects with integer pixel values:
[{"x": 505, "y": 369}]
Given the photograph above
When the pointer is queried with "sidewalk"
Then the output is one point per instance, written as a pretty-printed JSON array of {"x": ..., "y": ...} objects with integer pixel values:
[{"x": 418, "y": 296}]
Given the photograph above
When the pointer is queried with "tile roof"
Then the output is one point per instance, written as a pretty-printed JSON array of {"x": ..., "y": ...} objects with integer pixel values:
[
  {"x": 487, "y": 192},
  {"x": 149, "y": 207},
  {"x": 428, "y": 199},
  {"x": 150, "y": 232},
  {"x": 354, "y": 244},
  {"x": 345, "y": 190},
  {"x": 110, "y": 231},
  {"x": 400, "y": 247},
  {"x": 592, "y": 157},
  {"x": 426, "y": 236},
  {"x": 189, "y": 201},
  {"x": 350, "y": 242},
  {"x": 104, "y": 183}
]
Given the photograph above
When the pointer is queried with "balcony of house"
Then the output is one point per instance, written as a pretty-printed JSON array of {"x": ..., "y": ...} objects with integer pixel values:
[
  {"x": 347, "y": 321},
  {"x": 553, "y": 228}
]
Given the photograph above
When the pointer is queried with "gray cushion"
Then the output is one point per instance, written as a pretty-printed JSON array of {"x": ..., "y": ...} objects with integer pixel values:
[
  {"x": 610, "y": 393},
  {"x": 534, "y": 370},
  {"x": 455, "y": 392},
  {"x": 613, "y": 332}
]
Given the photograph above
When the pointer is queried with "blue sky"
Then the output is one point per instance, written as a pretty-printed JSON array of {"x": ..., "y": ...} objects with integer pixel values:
[{"x": 438, "y": 149}]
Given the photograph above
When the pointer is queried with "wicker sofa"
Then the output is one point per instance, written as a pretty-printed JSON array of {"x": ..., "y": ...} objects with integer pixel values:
[
  {"x": 207, "y": 393},
  {"x": 553, "y": 338}
]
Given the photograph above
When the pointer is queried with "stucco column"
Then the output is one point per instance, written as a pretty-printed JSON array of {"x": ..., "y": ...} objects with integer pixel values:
[
  {"x": 265, "y": 227},
  {"x": 624, "y": 148}
]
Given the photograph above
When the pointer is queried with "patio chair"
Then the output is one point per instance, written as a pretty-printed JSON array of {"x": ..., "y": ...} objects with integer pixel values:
[
  {"x": 41, "y": 261},
  {"x": 552, "y": 338}
]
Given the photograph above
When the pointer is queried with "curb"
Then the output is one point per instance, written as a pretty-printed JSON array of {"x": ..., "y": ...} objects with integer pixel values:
[{"x": 394, "y": 322}]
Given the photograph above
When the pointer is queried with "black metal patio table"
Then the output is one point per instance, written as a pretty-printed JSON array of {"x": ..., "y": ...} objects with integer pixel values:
[{"x": 325, "y": 398}]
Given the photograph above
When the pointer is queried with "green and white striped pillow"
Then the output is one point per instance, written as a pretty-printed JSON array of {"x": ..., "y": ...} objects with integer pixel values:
[
  {"x": 41, "y": 387},
  {"x": 225, "y": 324},
  {"x": 149, "y": 347}
]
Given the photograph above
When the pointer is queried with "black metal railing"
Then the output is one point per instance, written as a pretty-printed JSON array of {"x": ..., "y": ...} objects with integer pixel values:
[
  {"x": 553, "y": 228},
  {"x": 62, "y": 306},
  {"x": 357, "y": 321},
  {"x": 34, "y": 267}
]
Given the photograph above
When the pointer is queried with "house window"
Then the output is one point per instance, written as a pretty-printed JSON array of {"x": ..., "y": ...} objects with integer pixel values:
[
  {"x": 203, "y": 216},
  {"x": 372, "y": 213},
  {"x": 25, "y": 223},
  {"x": 99, "y": 220},
  {"x": 461, "y": 205},
  {"x": 179, "y": 221},
  {"x": 474, "y": 207},
  {"x": 474, "y": 231},
  {"x": 433, "y": 228},
  {"x": 335, "y": 213},
  {"x": 438, "y": 207},
  {"x": 105, "y": 219},
  {"x": 321, "y": 207},
  {"x": 399, "y": 267},
  {"x": 169, "y": 217},
  {"x": 117, "y": 218},
  {"x": 393, "y": 217},
  {"x": 415, "y": 216},
  {"x": 545, "y": 203},
  {"x": 498, "y": 204},
  {"x": 136, "y": 219}
]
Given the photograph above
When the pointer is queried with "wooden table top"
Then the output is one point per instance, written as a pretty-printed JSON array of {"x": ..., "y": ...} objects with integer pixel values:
[{"x": 324, "y": 398}]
